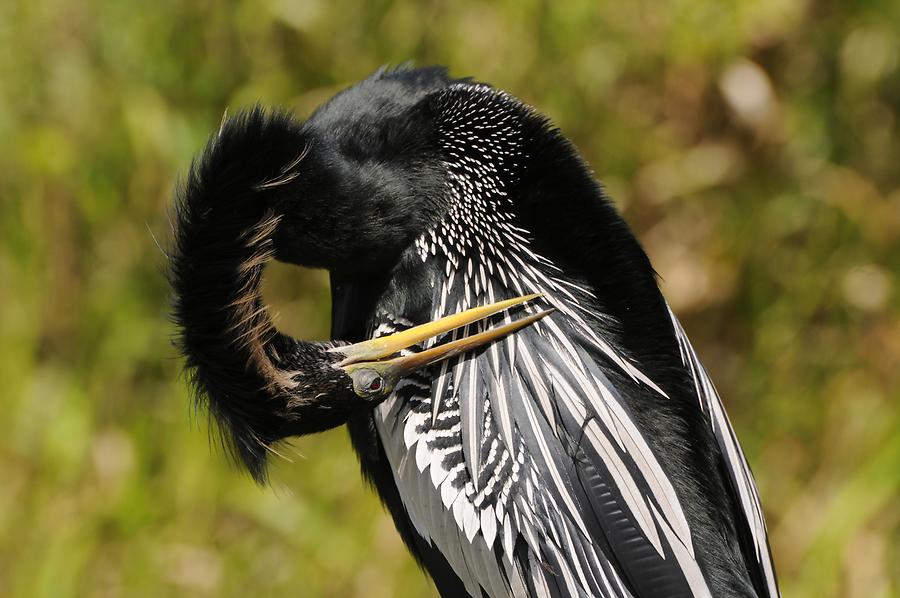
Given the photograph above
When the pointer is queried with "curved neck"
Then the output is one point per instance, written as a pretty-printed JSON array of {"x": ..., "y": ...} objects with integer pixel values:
[{"x": 240, "y": 366}]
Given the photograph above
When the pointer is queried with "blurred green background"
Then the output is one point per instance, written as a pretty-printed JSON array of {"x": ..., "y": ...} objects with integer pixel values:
[{"x": 752, "y": 145}]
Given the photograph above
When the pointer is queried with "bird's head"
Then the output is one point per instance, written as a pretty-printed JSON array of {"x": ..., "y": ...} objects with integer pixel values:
[{"x": 347, "y": 190}]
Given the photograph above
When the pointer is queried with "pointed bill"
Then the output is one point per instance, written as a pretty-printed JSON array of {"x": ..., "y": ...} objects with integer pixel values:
[
  {"x": 385, "y": 346},
  {"x": 373, "y": 376}
]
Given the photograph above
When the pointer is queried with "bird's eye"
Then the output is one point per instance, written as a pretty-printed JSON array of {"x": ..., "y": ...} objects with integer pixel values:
[{"x": 367, "y": 383}]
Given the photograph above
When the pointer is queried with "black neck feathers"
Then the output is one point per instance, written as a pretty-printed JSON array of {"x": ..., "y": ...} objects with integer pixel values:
[{"x": 249, "y": 375}]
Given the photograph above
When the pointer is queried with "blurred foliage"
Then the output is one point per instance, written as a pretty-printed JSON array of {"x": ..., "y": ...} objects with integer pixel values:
[{"x": 753, "y": 146}]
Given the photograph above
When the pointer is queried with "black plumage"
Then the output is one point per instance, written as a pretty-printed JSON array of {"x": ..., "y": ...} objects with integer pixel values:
[{"x": 586, "y": 454}]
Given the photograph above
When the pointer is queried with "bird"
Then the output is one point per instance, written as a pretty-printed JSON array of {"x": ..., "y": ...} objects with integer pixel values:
[{"x": 517, "y": 390}]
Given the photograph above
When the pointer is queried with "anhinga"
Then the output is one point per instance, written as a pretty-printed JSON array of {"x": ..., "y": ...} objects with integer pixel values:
[{"x": 570, "y": 444}]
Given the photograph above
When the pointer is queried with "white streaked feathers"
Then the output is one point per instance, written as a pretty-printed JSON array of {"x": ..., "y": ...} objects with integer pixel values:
[
  {"x": 470, "y": 481},
  {"x": 475, "y": 234}
]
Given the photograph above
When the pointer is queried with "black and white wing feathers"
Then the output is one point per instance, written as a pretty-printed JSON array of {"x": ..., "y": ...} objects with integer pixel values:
[
  {"x": 523, "y": 466},
  {"x": 526, "y": 464}
]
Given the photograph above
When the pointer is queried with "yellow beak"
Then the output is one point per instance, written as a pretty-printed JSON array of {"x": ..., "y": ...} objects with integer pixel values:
[{"x": 372, "y": 376}]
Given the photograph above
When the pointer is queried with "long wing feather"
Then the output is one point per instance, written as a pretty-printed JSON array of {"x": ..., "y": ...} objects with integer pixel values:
[{"x": 739, "y": 473}]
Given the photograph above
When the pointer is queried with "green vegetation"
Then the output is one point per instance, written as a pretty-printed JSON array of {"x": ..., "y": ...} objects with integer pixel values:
[{"x": 753, "y": 146}]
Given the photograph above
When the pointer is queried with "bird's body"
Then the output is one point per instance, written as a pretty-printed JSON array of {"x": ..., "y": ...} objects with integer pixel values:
[{"x": 585, "y": 455}]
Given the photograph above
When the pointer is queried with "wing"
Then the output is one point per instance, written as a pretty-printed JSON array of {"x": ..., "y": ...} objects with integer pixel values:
[
  {"x": 522, "y": 464},
  {"x": 532, "y": 465}
]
